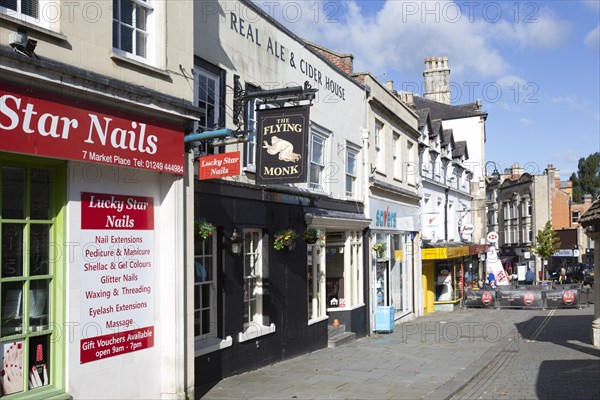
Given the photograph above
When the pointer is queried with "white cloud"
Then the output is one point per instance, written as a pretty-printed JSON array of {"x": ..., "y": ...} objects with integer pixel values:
[
  {"x": 540, "y": 31},
  {"x": 571, "y": 101},
  {"x": 399, "y": 36},
  {"x": 593, "y": 4},
  {"x": 592, "y": 39},
  {"x": 525, "y": 121}
]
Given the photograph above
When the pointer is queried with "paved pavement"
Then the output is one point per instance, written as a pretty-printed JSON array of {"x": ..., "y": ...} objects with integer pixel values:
[{"x": 470, "y": 353}]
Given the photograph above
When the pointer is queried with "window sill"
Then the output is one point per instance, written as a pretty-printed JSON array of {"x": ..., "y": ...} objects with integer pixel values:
[
  {"x": 349, "y": 308},
  {"x": 47, "y": 393},
  {"x": 33, "y": 27},
  {"x": 255, "y": 331},
  {"x": 250, "y": 168},
  {"x": 124, "y": 59},
  {"x": 205, "y": 346},
  {"x": 316, "y": 320}
]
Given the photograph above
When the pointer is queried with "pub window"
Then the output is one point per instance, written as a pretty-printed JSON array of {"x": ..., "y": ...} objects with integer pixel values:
[
  {"x": 30, "y": 277},
  {"x": 256, "y": 320},
  {"x": 205, "y": 287},
  {"x": 317, "y": 305},
  {"x": 351, "y": 171},
  {"x": 208, "y": 97},
  {"x": 319, "y": 146},
  {"x": 250, "y": 126}
]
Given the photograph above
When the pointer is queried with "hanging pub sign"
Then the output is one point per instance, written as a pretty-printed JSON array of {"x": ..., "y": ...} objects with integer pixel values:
[{"x": 283, "y": 145}]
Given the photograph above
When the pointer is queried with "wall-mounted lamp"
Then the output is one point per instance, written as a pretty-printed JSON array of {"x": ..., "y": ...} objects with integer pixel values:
[
  {"x": 236, "y": 243},
  {"x": 22, "y": 44}
]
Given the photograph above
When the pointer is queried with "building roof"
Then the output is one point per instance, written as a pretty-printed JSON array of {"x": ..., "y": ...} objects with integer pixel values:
[
  {"x": 447, "y": 137},
  {"x": 436, "y": 128},
  {"x": 423, "y": 114},
  {"x": 448, "y": 111},
  {"x": 592, "y": 215},
  {"x": 460, "y": 149}
]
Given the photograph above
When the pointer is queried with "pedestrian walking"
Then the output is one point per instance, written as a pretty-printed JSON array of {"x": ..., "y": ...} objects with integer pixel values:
[{"x": 529, "y": 276}]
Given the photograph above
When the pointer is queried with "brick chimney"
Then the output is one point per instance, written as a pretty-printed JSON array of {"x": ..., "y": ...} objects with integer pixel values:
[
  {"x": 437, "y": 79},
  {"x": 343, "y": 61}
]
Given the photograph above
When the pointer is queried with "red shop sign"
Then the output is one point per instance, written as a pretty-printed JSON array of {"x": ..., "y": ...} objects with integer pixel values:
[
  {"x": 219, "y": 165},
  {"x": 116, "y": 212},
  {"x": 33, "y": 122}
]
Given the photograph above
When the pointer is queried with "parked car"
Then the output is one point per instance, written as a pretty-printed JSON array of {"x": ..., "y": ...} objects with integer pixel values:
[{"x": 584, "y": 273}]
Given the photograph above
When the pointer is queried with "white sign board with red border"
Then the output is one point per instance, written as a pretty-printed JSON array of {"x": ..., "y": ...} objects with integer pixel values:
[{"x": 117, "y": 275}]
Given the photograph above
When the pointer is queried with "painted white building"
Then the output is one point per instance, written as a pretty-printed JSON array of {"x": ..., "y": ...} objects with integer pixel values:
[
  {"x": 92, "y": 121},
  {"x": 272, "y": 293}
]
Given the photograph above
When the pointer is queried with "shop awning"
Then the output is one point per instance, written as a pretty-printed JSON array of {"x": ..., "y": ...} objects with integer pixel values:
[
  {"x": 444, "y": 250},
  {"x": 332, "y": 219}
]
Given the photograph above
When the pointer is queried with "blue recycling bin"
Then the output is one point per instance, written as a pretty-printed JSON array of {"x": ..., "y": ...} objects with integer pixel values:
[{"x": 384, "y": 319}]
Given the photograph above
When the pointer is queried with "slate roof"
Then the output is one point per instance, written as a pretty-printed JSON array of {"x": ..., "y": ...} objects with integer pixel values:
[
  {"x": 447, "y": 137},
  {"x": 423, "y": 114},
  {"x": 448, "y": 111},
  {"x": 460, "y": 149},
  {"x": 592, "y": 215},
  {"x": 436, "y": 127}
]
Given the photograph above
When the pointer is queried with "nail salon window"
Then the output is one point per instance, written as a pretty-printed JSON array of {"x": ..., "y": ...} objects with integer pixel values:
[
  {"x": 37, "y": 12},
  {"x": 31, "y": 277}
]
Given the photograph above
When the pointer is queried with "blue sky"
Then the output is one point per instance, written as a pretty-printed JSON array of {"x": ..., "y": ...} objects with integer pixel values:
[{"x": 534, "y": 64}]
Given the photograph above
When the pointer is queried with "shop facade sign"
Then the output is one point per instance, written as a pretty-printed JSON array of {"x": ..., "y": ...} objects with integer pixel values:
[
  {"x": 283, "y": 145},
  {"x": 219, "y": 165},
  {"x": 36, "y": 123},
  {"x": 563, "y": 253},
  {"x": 392, "y": 216},
  {"x": 117, "y": 275}
]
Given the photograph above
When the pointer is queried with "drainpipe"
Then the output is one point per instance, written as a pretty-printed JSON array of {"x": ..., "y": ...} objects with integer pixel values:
[{"x": 446, "y": 215}]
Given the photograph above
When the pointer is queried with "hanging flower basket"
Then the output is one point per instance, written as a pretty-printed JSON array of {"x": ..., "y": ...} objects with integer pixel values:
[
  {"x": 379, "y": 249},
  {"x": 285, "y": 239},
  {"x": 204, "y": 229},
  {"x": 312, "y": 236}
]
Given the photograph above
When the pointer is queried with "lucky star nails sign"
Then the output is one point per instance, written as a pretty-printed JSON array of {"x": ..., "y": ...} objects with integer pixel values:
[{"x": 33, "y": 122}]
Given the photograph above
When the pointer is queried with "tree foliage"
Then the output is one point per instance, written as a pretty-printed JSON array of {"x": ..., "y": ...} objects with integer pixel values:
[
  {"x": 546, "y": 242},
  {"x": 587, "y": 180}
]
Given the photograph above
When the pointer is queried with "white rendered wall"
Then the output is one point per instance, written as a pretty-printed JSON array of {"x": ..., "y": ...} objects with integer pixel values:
[{"x": 156, "y": 372}]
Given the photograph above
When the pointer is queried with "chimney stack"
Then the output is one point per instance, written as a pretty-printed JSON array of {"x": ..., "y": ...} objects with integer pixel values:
[
  {"x": 587, "y": 199},
  {"x": 407, "y": 98},
  {"x": 437, "y": 79},
  {"x": 516, "y": 171}
]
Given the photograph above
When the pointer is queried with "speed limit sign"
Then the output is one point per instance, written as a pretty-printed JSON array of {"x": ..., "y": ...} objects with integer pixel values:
[{"x": 492, "y": 237}]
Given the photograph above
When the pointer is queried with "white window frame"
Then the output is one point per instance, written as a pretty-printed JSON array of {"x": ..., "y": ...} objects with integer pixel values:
[
  {"x": 35, "y": 20},
  {"x": 209, "y": 342},
  {"x": 208, "y": 260},
  {"x": 150, "y": 31},
  {"x": 255, "y": 325},
  {"x": 352, "y": 176},
  {"x": 317, "y": 303},
  {"x": 397, "y": 156},
  {"x": 318, "y": 133},
  {"x": 379, "y": 153},
  {"x": 251, "y": 123},
  {"x": 411, "y": 170},
  {"x": 204, "y": 74}
]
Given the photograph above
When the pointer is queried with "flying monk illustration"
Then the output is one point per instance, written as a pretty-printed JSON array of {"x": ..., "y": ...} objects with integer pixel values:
[{"x": 283, "y": 147}]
